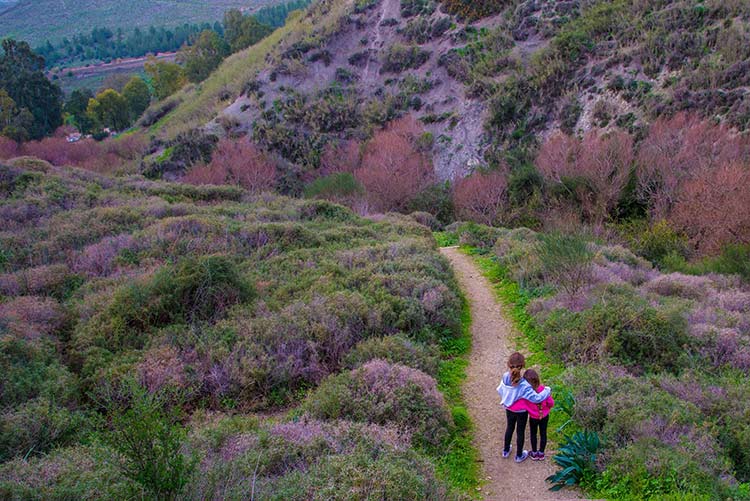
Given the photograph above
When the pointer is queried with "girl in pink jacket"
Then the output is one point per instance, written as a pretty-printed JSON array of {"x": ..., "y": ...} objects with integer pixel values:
[{"x": 538, "y": 415}]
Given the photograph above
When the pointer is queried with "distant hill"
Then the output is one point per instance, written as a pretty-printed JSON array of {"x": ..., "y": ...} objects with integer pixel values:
[{"x": 55, "y": 19}]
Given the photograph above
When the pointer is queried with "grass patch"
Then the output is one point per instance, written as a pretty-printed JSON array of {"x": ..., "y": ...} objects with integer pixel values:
[
  {"x": 459, "y": 463},
  {"x": 446, "y": 238}
]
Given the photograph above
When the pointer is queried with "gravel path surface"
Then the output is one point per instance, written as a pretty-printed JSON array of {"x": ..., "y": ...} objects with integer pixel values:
[{"x": 491, "y": 343}]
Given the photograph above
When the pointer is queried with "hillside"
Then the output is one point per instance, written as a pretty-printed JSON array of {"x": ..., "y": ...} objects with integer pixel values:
[
  {"x": 37, "y": 21},
  {"x": 484, "y": 86},
  {"x": 162, "y": 340}
]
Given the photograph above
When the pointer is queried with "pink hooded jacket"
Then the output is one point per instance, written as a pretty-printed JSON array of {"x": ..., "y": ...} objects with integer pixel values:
[{"x": 536, "y": 411}]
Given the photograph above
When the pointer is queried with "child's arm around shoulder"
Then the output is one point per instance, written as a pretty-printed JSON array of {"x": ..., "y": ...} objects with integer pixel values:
[{"x": 533, "y": 396}]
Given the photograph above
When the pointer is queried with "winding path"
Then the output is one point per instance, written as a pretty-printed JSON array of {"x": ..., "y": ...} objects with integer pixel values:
[{"x": 491, "y": 343}]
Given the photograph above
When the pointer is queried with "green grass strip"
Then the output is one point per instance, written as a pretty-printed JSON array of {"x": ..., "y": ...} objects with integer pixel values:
[{"x": 458, "y": 464}]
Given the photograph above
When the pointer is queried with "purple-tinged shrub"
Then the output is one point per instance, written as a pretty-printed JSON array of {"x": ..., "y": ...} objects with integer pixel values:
[
  {"x": 677, "y": 284},
  {"x": 381, "y": 393},
  {"x": 98, "y": 260},
  {"x": 297, "y": 346},
  {"x": 30, "y": 317}
]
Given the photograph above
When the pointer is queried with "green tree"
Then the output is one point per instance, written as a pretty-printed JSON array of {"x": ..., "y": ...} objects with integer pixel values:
[
  {"x": 138, "y": 96},
  {"x": 22, "y": 77},
  {"x": 110, "y": 109},
  {"x": 166, "y": 78},
  {"x": 77, "y": 107},
  {"x": 14, "y": 123},
  {"x": 201, "y": 58},
  {"x": 242, "y": 31}
]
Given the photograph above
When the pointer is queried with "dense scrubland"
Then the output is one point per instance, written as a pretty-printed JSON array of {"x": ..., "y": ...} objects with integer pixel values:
[
  {"x": 649, "y": 368},
  {"x": 143, "y": 325},
  {"x": 293, "y": 347}
]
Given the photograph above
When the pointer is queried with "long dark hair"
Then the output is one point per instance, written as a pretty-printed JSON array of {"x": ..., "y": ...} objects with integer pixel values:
[{"x": 516, "y": 362}]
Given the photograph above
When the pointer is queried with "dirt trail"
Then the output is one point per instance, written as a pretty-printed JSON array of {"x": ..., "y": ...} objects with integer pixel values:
[{"x": 491, "y": 342}]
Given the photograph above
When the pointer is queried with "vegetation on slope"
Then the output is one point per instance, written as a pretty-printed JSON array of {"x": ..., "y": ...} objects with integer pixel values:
[
  {"x": 655, "y": 363},
  {"x": 140, "y": 312}
]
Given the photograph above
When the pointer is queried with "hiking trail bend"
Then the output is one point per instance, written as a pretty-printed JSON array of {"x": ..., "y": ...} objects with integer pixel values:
[{"x": 492, "y": 334}]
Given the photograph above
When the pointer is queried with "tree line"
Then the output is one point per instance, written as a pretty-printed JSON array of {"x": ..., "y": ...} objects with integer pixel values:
[{"x": 105, "y": 44}]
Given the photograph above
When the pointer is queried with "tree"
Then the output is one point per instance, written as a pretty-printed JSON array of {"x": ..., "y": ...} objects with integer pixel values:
[
  {"x": 713, "y": 209},
  {"x": 482, "y": 197},
  {"x": 204, "y": 56},
  {"x": 22, "y": 77},
  {"x": 110, "y": 109},
  {"x": 77, "y": 108},
  {"x": 681, "y": 148},
  {"x": 236, "y": 162},
  {"x": 593, "y": 171},
  {"x": 393, "y": 170},
  {"x": 166, "y": 78},
  {"x": 138, "y": 96},
  {"x": 242, "y": 31}
]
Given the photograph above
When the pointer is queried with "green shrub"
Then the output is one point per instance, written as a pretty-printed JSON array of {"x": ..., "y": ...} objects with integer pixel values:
[
  {"x": 402, "y": 57},
  {"x": 576, "y": 457},
  {"x": 36, "y": 427},
  {"x": 66, "y": 473},
  {"x": 32, "y": 370},
  {"x": 395, "y": 349},
  {"x": 658, "y": 243},
  {"x": 621, "y": 325},
  {"x": 436, "y": 200},
  {"x": 475, "y": 235},
  {"x": 145, "y": 444},
  {"x": 197, "y": 289},
  {"x": 338, "y": 186},
  {"x": 566, "y": 261}
]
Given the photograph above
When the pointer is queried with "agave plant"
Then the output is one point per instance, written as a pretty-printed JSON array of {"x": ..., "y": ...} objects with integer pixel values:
[{"x": 576, "y": 459}]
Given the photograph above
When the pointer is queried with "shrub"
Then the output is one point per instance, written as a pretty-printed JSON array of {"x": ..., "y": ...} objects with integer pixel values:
[
  {"x": 310, "y": 459},
  {"x": 566, "y": 261},
  {"x": 623, "y": 326},
  {"x": 341, "y": 187},
  {"x": 195, "y": 290},
  {"x": 476, "y": 235},
  {"x": 437, "y": 200},
  {"x": 36, "y": 427},
  {"x": 482, "y": 197},
  {"x": 31, "y": 371},
  {"x": 236, "y": 162},
  {"x": 65, "y": 473},
  {"x": 655, "y": 242},
  {"x": 381, "y": 393},
  {"x": 396, "y": 350},
  {"x": 401, "y": 57},
  {"x": 146, "y": 445}
]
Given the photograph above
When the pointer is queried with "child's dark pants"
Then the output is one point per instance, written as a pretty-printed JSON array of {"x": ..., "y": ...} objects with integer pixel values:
[
  {"x": 516, "y": 420},
  {"x": 541, "y": 425}
]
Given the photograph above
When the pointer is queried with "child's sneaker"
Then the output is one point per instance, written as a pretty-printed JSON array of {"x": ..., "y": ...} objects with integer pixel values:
[
  {"x": 507, "y": 453},
  {"x": 540, "y": 456},
  {"x": 522, "y": 457},
  {"x": 534, "y": 455}
]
